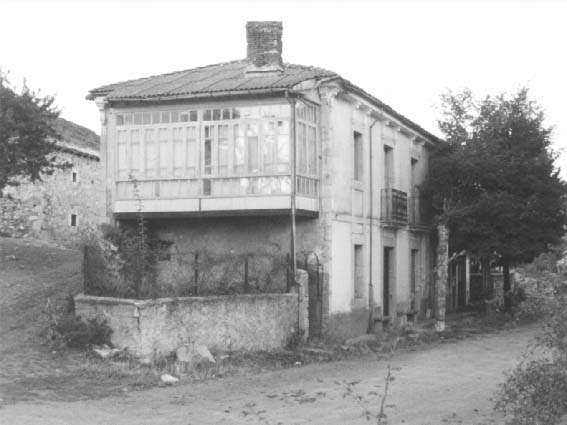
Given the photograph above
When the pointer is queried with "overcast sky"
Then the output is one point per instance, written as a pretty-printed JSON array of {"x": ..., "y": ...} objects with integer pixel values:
[{"x": 405, "y": 53}]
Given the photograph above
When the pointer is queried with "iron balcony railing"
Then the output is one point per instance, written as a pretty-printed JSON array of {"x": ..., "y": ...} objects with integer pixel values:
[{"x": 394, "y": 209}]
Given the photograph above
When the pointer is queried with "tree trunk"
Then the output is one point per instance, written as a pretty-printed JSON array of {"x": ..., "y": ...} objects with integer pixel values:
[
  {"x": 507, "y": 288},
  {"x": 441, "y": 275}
]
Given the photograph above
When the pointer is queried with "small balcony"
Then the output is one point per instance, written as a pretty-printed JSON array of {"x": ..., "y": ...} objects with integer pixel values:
[
  {"x": 215, "y": 195},
  {"x": 420, "y": 213},
  {"x": 394, "y": 209}
]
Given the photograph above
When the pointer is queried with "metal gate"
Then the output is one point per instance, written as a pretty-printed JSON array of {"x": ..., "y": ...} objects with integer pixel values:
[{"x": 309, "y": 261}]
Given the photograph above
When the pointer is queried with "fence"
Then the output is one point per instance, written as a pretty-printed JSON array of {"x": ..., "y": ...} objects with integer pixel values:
[{"x": 145, "y": 275}]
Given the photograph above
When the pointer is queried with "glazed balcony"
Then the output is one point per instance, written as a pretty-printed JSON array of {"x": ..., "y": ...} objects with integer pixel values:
[
  {"x": 214, "y": 195},
  {"x": 394, "y": 208},
  {"x": 226, "y": 160}
]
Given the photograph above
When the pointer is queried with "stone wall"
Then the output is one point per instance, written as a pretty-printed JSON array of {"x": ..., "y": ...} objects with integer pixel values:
[
  {"x": 44, "y": 209},
  {"x": 152, "y": 328}
]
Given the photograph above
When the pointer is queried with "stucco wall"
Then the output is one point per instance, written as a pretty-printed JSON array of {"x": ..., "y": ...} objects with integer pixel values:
[
  {"x": 158, "y": 327},
  {"x": 43, "y": 209}
]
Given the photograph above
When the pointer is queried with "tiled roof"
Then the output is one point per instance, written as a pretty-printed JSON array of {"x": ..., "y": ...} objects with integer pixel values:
[
  {"x": 223, "y": 77},
  {"x": 229, "y": 78}
]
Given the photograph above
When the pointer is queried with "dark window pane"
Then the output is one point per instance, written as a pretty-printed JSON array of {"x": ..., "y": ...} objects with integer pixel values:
[
  {"x": 206, "y": 187},
  {"x": 165, "y": 117},
  {"x": 226, "y": 114},
  {"x": 184, "y": 117},
  {"x": 235, "y": 113},
  {"x": 193, "y": 116},
  {"x": 175, "y": 117},
  {"x": 207, "y": 115},
  {"x": 216, "y": 114}
]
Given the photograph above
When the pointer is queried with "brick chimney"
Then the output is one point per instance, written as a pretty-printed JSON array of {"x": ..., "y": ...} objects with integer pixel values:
[{"x": 264, "y": 52}]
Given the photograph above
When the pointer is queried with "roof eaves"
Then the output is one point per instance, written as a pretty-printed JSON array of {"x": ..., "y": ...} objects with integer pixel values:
[
  {"x": 200, "y": 94},
  {"x": 390, "y": 110}
]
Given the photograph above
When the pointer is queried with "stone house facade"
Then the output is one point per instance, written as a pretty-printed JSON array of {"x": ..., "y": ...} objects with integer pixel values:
[
  {"x": 257, "y": 155},
  {"x": 65, "y": 205}
]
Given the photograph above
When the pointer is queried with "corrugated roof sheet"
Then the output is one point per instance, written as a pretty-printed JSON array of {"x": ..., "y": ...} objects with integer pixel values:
[
  {"x": 223, "y": 77},
  {"x": 229, "y": 77}
]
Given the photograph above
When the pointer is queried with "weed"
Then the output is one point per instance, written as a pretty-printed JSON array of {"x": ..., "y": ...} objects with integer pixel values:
[{"x": 81, "y": 334}]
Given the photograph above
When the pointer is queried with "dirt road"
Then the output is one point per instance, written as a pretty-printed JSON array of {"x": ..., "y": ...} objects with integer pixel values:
[{"x": 450, "y": 383}]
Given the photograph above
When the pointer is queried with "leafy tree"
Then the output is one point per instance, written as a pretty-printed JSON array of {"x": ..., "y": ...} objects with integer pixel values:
[
  {"x": 27, "y": 135},
  {"x": 495, "y": 184}
]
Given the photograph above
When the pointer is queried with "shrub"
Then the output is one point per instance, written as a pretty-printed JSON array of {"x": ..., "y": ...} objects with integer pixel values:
[
  {"x": 81, "y": 334},
  {"x": 536, "y": 391}
]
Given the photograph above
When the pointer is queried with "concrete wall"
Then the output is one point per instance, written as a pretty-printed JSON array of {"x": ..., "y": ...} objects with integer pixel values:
[
  {"x": 154, "y": 328},
  {"x": 43, "y": 209}
]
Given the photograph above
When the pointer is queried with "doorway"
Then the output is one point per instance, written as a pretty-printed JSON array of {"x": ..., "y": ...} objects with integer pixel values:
[{"x": 387, "y": 280}]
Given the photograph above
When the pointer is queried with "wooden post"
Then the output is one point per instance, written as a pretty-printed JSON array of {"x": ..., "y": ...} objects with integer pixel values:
[
  {"x": 196, "y": 273},
  {"x": 246, "y": 287},
  {"x": 441, "y": 274}
]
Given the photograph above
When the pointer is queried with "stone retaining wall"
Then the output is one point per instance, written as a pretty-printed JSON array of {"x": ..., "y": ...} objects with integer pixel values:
[{"x": 152, "y": 328}]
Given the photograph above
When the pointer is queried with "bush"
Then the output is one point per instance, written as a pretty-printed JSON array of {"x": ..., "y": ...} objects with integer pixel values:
[
  {"x": 81, "y": 334},
  {"x": 536, "y": 391}
]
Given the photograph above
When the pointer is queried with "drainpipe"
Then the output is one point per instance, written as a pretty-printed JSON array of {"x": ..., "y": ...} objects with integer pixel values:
[
  {"x": 293, "y": 193},
  {"x": 370, "y": 285},
  {"x": 293, "y": 180}
]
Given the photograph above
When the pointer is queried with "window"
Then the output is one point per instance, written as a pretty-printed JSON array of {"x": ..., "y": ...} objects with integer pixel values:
[
  {"x": 209, "y": 131},
  {"x": 388, "y": 167},
  {"x": 414, "y": 174},
  {"x": 164, "y": 157},
  {"x": 223, "y": 150},
  {"x": 302, "y": 147},
  {"x": 358, "y": 270},
  {"x": 414, "y": 268},
  {"x": 150, "y": 153},
  {"x": 357, "y": 161},
  {"x": 73, "y": 220},
  {"x": 253, "y": 151},
  {"x": 74, "y": 177}
]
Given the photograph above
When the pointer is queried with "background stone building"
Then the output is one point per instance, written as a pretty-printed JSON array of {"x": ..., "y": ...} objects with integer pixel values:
[{"x": 65, "y": 205}]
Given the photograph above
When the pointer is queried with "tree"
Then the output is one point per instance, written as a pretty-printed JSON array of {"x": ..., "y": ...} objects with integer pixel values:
[
  {"x": 27, "y": 134},
  {"x": 495, "y": 184}
]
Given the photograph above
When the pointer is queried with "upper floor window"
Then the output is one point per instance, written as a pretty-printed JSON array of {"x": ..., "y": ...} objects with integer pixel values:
[
  {"x": 306, "y": 115},
  {"x": 74, "y": 176},
  {"x": 388, "y": 167},
  {"x": 358, "y": 166}
]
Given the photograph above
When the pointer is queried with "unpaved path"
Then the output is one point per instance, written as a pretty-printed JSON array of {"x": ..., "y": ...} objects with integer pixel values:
[{"x": 451, "y": 383}]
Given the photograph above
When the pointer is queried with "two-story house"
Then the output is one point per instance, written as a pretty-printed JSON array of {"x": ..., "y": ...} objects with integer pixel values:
[{"x": 261, "y": 155}]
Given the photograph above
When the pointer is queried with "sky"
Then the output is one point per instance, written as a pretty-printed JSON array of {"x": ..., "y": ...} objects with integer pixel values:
[{"x": 406, "y": 53}]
